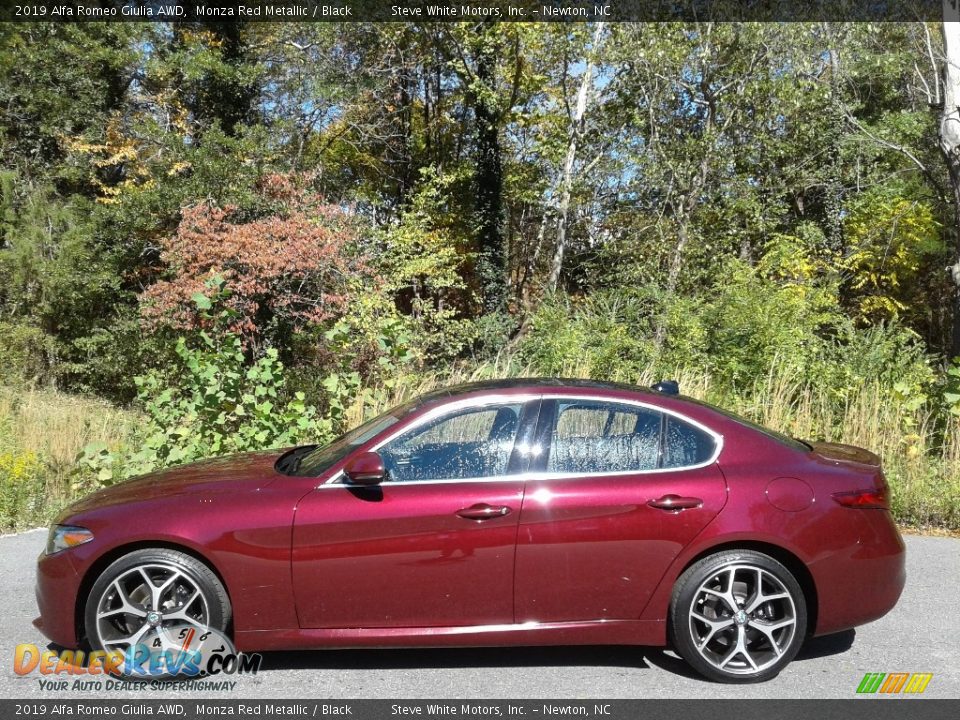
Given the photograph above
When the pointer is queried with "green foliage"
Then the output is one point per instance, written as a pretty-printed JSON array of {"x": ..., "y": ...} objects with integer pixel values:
[
  {"x": 58, "y": 81},
  {"x": 54, "y": 281},
  {"x": 751, "y": 321},
  {"x": 49, "y": 271},
  {"x": 211, "y": 400},
  {"x": 21, "y": 488},
  {"x": 782, "y": 317},
  {"x": 23, "y": 353},
  {"x": 363, "y": 352},
  {"x": 607, "y": 333},
  {"x": 951, "y": 389},
  {"x": 887, "y": 353},
  {"x": 105, "y": 359},
  {"x": 423, "y": 268},
  {"x": 892, "y": 240},
  {"x": 218, "y": 405}
]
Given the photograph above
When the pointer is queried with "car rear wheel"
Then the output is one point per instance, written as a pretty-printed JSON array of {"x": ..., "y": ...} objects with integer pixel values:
[
  {"x": 139, "y": 598},
  {"x": 738, "y": 616}
]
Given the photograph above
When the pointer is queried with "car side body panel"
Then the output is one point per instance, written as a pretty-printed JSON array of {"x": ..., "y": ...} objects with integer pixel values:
[
  {"x": 592, "y": 548},
  {"x": 392, "y": 556}
]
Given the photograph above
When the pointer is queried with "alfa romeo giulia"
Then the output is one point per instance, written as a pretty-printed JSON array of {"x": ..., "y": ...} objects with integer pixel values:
[{"x": 515, "y": 512}]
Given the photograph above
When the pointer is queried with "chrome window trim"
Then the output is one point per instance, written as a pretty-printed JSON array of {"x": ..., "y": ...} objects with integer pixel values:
[
  {"x": 335, "y": 479},
  {"x": 717, "y": 437},
  {"x": 440, "y": 411}
]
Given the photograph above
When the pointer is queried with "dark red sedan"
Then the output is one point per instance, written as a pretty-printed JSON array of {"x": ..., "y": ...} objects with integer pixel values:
[{"x": 516, "y": 512}]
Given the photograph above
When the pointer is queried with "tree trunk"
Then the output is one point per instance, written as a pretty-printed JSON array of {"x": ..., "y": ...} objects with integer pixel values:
[
  {"x": 566, "y": 185},
  {"x": 954, "y": 269},
  {"x": 230, "y": 102},
  {"x": 950, "y": 142},
  {"x": 673, "y": 277},
  {"x": 833, "y": 186},
  {"x": 491, "y": 265}
]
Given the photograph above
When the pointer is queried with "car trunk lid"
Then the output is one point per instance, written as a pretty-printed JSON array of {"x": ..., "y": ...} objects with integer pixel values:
[{"x": 840, "y": 453}]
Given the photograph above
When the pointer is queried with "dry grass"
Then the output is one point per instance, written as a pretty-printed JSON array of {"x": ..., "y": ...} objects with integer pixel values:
[{"x": 54, "y": 428}]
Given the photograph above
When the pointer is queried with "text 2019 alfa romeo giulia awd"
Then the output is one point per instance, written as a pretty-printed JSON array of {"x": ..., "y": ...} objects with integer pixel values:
[{"x": 523, "y": 512}]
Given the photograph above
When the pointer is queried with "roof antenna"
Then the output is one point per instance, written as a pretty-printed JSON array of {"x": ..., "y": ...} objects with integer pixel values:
[{"x": 667, "y": 387}]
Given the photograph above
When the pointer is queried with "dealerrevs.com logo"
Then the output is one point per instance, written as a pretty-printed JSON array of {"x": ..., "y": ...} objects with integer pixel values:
[
  {"x": 163, "y": 656},
  {"x": 894, "y": 683}
]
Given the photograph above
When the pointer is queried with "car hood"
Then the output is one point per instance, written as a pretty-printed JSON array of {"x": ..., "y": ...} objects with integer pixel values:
[
  {"x": 840, "y": 453},
  {"x": 233, "y": 473}
]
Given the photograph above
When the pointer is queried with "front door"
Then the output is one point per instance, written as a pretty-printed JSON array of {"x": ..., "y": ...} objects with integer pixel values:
[{"x": 434, "y": 544}]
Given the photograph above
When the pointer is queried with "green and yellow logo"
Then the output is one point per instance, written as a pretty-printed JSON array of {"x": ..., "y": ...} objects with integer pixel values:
[{"x": 892, "y": 683}]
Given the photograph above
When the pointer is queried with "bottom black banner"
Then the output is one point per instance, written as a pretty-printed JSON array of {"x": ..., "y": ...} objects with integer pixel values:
[{"x": 854, "y": 709}]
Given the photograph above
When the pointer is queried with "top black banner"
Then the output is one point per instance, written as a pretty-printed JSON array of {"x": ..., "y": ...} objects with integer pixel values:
[{"x": 473, "y": 10}]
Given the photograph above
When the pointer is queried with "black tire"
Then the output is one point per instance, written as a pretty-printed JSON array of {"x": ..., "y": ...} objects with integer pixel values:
[
  {"x": 214, "y": 601},
  {"x": 723, "y": 644}
]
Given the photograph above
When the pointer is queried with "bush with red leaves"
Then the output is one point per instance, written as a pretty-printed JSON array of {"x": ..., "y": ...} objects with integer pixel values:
[{"x": 292, "y": 267}]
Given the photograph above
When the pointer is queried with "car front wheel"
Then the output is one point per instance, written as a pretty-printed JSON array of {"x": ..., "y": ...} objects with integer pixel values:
[
  {"x": 738, "y": 616},
  {"x": 139, "y": 598}
]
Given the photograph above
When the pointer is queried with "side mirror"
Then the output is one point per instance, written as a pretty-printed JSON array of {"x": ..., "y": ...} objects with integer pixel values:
[{"x": 365, "y": 469}]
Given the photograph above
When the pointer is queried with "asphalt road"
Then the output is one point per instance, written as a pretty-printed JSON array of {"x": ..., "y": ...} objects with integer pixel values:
[{"x": 921, "y": 635}]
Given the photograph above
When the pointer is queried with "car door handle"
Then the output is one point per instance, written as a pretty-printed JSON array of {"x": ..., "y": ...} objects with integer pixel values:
[
  {"x": 675, "y": 502},
  {"x": 482, "y": 511}
]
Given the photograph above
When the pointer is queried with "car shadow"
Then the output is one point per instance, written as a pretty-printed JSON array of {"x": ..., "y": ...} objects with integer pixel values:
[
  {"x": 440, "y": 658},
  {"x": 624, "y": 656},
  {"x": 827, "y": 645},
  {"x": 813, "y": 648}
]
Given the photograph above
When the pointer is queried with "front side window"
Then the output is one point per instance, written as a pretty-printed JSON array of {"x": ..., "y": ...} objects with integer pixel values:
[
  {"x": 470, "y": 443},
  {"x": 592, "y": 437}
]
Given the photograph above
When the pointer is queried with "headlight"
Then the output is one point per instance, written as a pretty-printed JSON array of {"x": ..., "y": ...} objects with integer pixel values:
[{"x": 62, "y": 537}]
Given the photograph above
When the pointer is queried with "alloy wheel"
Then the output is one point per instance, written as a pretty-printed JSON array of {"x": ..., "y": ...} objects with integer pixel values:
[
  {"x": 141, "y": 604},
  {"x": 742, "y": 619}
]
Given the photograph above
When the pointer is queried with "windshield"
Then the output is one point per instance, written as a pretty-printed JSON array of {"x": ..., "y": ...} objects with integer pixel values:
[{"x": 323, "y": 458}]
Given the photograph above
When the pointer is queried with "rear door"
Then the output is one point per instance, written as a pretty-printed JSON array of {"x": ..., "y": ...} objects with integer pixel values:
[
  {"x": 619, "y": 490},
  {"x": 431, "y": 546}
]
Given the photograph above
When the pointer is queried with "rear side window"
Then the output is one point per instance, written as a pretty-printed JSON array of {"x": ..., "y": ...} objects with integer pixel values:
[
  {"x": 686, "y": 445},
  {"x": 593, "y": 437}
]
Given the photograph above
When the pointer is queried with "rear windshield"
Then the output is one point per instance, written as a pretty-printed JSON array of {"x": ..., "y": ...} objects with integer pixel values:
[{"x": 772, "y": 434}]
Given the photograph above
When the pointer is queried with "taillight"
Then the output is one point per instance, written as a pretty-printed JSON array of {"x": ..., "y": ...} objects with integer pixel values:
[{"x": 863, "y": 499}]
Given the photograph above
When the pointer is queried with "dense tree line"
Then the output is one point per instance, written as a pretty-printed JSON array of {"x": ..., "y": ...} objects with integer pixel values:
[{"x": 460, "y": 189}]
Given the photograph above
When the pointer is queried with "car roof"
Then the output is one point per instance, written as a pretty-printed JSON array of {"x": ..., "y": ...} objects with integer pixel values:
[{"x": 532, "y": 384}]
